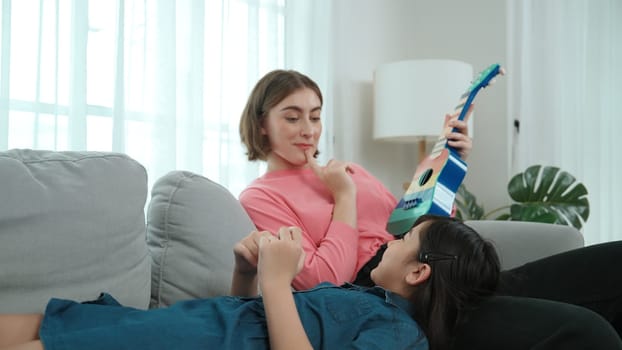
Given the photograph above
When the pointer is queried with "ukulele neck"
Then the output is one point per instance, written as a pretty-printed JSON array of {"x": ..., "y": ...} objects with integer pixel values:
[{"x": 463, "y": 106}]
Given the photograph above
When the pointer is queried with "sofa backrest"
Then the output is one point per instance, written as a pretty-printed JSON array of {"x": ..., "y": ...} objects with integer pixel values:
[
  {"x": 520, "y": 242},
  {"x": 72, "y": 225}
]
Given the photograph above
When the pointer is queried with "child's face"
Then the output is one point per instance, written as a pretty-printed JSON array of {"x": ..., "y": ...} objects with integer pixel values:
[
  {"x": 397, "y": 261},
  {"x": 293, "y": 126}
]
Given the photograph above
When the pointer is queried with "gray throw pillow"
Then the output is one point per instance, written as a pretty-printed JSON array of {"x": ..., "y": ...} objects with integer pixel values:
[
  {"x": 72, "y": 225},
  {"x": 192, "y": 226}
]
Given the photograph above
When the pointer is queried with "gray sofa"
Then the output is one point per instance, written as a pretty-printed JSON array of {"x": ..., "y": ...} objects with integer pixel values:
[{"x": 75, "y": 224}]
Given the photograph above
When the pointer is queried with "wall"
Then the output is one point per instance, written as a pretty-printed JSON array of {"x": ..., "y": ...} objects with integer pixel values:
[{"x": 372, "y": 32}]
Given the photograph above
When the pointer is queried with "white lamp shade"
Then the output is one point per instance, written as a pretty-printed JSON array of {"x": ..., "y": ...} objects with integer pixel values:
[{"x": 412, "y": 97}]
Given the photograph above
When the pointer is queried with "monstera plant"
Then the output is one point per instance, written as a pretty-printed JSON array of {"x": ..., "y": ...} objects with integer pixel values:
[{"x": 540, "y": 193}]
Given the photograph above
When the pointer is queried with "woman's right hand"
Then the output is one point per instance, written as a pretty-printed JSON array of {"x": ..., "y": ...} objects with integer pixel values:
[{"x": 335, "y": 175}]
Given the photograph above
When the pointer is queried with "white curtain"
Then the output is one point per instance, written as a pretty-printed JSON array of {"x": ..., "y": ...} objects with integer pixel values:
[
  {"x": 566, "y": 91},
  {"x": 163, "y": 81}
]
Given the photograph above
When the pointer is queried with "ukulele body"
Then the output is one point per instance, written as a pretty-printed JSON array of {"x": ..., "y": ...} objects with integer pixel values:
[
  {"x": 432, "y": 190},
  {"x": 438, "y": 177}
]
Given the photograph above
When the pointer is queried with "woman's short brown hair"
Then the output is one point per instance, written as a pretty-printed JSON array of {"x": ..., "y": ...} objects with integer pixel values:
[{"x": 267, "y": 93}]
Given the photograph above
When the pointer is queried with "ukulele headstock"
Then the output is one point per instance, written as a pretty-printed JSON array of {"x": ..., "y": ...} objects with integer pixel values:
[{"x": 486, "y": 77}]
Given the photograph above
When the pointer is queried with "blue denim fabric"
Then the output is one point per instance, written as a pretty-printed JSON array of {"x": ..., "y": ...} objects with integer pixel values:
[{"x": 347, "y": 317}]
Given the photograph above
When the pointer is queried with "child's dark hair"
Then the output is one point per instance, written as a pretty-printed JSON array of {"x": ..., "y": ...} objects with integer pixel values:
[{"x": 465, "y": 269}]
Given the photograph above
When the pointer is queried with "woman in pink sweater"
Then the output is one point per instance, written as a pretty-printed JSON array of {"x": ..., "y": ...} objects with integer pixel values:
[{"x": 341, "y": 208}]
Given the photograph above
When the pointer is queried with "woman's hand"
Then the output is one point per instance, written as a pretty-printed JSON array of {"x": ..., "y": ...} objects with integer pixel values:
[
  {"x": 335, "y": 175},
  {"x": 280, "y": 258},
  {"x": 459, "y": 139}
]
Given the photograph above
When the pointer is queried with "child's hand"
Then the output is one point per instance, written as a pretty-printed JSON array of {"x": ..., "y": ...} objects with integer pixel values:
[
  {"x": 246, "y": 252},
  {"x": 280, "y": 258}
]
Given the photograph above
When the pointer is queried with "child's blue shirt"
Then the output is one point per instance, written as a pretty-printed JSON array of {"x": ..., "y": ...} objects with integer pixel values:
[{"x": 346, "y": 317}]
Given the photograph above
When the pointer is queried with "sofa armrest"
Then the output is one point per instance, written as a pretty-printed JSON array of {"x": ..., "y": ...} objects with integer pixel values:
[{"x": 520, "y": 242}]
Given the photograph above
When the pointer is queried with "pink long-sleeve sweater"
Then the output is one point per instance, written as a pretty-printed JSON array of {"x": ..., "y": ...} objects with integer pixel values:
[{"x": 334, "y": 250}]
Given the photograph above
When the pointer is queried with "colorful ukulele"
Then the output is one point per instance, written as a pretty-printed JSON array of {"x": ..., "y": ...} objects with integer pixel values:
[{"x": 438, "y": 176}]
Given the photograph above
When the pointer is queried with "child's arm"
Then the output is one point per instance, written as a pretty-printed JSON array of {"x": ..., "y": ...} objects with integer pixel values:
[
  {"x": 280, "y": 259},
  {"x": 246, "y": 253}
]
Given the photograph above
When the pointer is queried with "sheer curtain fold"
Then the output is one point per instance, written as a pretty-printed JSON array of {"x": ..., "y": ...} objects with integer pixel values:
[
  {"x": 567, "y": 93},
  {"x": 163, "y": 81}
]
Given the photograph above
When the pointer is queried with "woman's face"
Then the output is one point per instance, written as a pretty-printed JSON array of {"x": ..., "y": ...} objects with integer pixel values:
[
  {"x": 292, "y": 126},
  {"x": 398, "y": 259}
]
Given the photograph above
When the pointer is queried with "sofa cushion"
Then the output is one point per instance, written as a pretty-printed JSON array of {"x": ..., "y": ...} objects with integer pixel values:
[
  {"x": 192, "y": 226},
  {"x": 519, "y": 242},
  {"x": 72, "y": 225}
]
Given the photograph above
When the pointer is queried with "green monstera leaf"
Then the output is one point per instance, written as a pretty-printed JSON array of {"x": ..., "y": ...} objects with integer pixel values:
[
  {"x": 546, "y": 194},
  {"x": 540, "y": 194}
]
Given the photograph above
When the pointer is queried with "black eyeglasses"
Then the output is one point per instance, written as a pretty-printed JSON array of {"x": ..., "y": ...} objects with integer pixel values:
[{"x": 427, "y": 257}]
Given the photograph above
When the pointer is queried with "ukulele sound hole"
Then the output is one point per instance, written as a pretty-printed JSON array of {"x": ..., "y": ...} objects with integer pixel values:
[{"x": 425, "y": 177}]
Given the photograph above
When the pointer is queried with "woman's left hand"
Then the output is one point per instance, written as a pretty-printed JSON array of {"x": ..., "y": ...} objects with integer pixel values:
[{"x": 459, "y": 139}]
